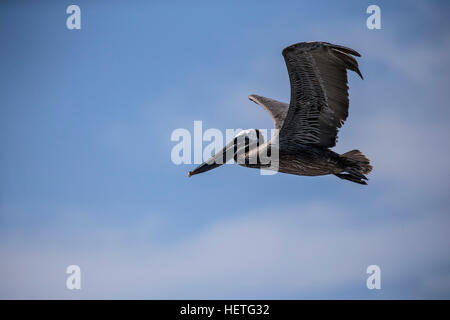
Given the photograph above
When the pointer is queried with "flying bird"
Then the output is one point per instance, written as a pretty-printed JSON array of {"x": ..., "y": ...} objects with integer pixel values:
[{"x": 308, "y": 125}]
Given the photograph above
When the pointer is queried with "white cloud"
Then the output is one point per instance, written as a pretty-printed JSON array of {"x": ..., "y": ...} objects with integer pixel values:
[{"x": 298, "y": 251}]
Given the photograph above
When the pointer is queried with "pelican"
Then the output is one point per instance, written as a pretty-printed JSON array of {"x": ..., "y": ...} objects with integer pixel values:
[{"x": 307, "y": 127}]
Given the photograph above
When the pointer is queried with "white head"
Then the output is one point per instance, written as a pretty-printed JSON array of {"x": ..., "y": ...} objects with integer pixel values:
[
  {"x": 252, "y": 134},
  {"x": 237, "y": 148}
]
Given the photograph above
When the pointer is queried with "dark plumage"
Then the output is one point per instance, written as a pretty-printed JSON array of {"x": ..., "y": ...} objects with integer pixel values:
[{"x": 308, "y": 126}]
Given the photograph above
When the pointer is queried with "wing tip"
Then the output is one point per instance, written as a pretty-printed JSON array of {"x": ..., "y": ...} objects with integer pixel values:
[
  {"x": 344, "y": 49},
  {"x": 356, "y": 69},
  {"x": 317, "y": 44},
  {"x": 360, "y": 74},
  {"x": 349, "y": 61}
]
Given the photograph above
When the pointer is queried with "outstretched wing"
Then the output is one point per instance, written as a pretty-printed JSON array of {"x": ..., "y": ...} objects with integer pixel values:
[
  {"x": 277, "y": 110},
  {"x": 319, "y": 91}
]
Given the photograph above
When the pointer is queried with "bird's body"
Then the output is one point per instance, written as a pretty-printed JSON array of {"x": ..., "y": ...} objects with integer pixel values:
[
  {"x": 308, "y": 126},
  {"x": 307, "y": 160}
]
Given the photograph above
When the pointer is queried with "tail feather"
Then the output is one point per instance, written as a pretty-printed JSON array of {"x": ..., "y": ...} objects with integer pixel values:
[
  {"x": 350, "y": 177},
  {"x": 356, "y": 165},
  {"x": 361, "y": 160}
]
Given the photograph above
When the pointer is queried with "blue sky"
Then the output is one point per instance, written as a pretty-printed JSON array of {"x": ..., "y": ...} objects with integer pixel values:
[{"x": 86, "y": 176}]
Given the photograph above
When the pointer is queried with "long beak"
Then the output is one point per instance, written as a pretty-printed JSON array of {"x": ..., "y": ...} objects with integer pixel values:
[{"x": 226, "y": 154}]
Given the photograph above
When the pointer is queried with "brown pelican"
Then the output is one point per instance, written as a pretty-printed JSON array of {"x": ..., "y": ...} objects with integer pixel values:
[{"x": 308, "y": 126}]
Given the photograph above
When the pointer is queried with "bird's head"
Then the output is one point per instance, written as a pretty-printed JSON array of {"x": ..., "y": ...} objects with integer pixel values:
[{"x": 242, "y": 143}]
